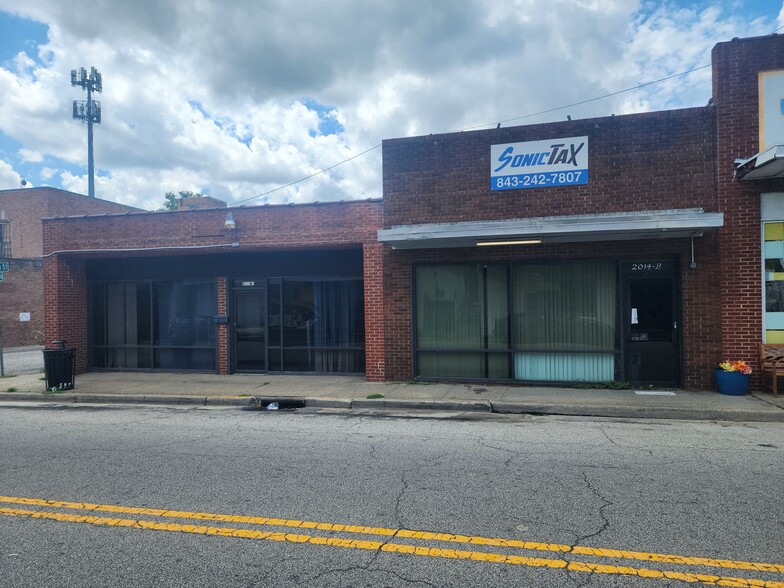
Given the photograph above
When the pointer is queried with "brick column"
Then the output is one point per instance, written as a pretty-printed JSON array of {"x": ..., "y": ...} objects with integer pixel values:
[
  {"x": 375, "y": 369},
  {"x": 736, "y": 67},
  {"x": 65, "y": 305},
  {"x": 223, "y": 329}
]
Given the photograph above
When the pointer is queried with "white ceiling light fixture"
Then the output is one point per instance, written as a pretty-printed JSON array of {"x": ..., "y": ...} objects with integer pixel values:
[
  {"x": 231, "y": 224},
  {"x": 497, "y": 243}
]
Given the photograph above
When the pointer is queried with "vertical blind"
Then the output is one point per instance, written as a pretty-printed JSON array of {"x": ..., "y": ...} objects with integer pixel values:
[
  {"x": 562, "y": 319},
  {"x": 565, "y": 321}
]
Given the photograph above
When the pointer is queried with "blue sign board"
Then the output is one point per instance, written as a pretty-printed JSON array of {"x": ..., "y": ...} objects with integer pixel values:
[{"x": 536, "y": 164}]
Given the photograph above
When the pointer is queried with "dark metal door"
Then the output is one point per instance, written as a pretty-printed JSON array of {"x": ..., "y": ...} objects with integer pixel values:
[
  {"x": 652, "y": 349},
  {"x": 250, "y": 331}
]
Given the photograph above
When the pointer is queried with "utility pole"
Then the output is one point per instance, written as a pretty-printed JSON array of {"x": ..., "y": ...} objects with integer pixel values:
[{"x": 88, "y": 111}]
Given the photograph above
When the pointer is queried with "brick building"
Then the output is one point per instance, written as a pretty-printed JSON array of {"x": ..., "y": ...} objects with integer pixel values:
[
  {"x": 21, "y": 231},
  {"x": 256, "y": 289},
  {"x": 642, "y": 248}
]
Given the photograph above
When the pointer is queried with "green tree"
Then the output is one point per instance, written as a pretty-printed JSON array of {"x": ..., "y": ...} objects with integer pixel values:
[{"x": 170, "y": 198}]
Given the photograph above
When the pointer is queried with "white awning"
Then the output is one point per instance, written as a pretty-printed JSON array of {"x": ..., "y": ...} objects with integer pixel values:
[
  {"x": 660, "y": 224},
  {"x": 762, "y": 166}
]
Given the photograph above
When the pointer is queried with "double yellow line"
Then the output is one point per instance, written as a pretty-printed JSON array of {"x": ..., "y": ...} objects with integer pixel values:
[{"x": 390, "y": 547}]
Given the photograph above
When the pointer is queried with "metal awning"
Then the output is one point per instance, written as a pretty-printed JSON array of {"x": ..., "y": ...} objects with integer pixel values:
[
  {"x": 762, "y": 166},
  {"x": 660, "y": 224}
]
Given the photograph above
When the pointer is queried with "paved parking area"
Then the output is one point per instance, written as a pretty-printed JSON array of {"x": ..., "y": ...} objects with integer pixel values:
[{"x": 23, "y": 360}]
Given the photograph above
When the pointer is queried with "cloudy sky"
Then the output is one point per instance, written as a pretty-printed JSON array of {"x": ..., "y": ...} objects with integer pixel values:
[{"x": 237, "y": 99}]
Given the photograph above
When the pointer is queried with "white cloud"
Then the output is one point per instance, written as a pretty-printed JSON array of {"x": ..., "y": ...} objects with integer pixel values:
[
  {"x": 30, "y": 156},
  {"x": 223, "y": 100},
  {"x": 9, "y": 179},
  {"x": 671, "y": 40}
]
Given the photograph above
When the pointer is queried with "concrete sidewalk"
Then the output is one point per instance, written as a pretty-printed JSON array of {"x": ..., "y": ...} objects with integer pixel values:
[{"x": 351, "y": 392}]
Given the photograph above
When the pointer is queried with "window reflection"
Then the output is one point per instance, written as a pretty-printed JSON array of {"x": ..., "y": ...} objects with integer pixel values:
[
  {"x": 323, "y": 326},
  {"x": 773, "y": 252},
  {"x": 146, "y": 324}
]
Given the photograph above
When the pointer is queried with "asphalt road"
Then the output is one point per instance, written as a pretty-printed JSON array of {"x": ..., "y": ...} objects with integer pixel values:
[{"x": 505, "y": 501}]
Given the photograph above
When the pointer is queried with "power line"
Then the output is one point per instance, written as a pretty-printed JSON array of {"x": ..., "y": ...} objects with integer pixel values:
[
  {"x": 683, "y": 73},
  {"x": 482, "y": 126},
  {"x": 307, "y": 177}
]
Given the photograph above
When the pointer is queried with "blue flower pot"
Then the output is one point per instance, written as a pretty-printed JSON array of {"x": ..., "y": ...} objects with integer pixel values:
[{"x": 732, "y": 383}]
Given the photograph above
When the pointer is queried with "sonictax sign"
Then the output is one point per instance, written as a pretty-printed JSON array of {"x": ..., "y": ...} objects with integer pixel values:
[{"x": 535, "y": 164}]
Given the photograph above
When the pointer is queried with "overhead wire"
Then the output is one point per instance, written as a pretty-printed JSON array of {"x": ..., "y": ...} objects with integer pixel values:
[
  {"x": 321, "y": 171},
  {"x": 549, "y": 110},
  {"x": 683, "y": 73}
]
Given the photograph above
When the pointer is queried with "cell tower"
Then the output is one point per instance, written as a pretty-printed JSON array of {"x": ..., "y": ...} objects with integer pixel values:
[{"x": 88, "y": 111}]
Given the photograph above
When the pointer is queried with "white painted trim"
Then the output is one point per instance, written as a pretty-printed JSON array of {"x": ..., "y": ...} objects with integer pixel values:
[{"x": 556, "y": 229}]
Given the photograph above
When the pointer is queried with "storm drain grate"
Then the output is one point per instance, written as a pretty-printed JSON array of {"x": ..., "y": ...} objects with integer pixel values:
[{"x": 273, "y": 405}]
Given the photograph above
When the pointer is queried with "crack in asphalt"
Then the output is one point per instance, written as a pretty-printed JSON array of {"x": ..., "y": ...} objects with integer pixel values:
[
  {"x": 403, "y": 490},
  {"x": 607, "y": 436},
  {"x": 370, "y": 570},
  {"x": 587, "y": 578},
  {"x": 408, "y": 580},
  {"x": 605, "y": 521}
]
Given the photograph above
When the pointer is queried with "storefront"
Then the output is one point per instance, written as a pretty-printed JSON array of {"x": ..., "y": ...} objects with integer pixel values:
[
  {"x": 283, "y": 290},
  {"x": 562, "y": 321},
  {"x": 290, "y": 312},
  {"x": 641, "y": 248}
]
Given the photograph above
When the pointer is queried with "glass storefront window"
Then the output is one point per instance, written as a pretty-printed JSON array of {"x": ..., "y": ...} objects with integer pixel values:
[
  {"x": 773, "y": 252},
  {"x": 565, "y": 321},
  {"x": 146, "y": 324},
  {"x": 461, "y": 315},
  {"x": 322, "y": 327},
  {"x": 559, "y": 325},
  {"x": 449, "y": 307},
  {"x": 183, "y": 313}
]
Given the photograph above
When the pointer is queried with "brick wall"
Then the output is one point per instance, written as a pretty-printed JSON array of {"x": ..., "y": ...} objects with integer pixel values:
[
  {"x": 26, "y": 207},
  {"x": 21, "y": 291},
  {"x": 373, "y": 258},
  {"x": 651, "y": 161},
  {"x": 265, "y": 228},
  {"x": 736, "y": 65},
  {"x": 65, "y": 305},
  {"x": 258, "y": 228},
  {"x": 223, "y": 329}
]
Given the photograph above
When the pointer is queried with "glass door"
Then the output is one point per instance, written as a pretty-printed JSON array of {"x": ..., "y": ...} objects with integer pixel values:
[{"x": 250, "y": 330}]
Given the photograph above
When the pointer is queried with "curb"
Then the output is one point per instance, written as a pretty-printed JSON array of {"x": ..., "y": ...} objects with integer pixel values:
[
  {"x": 65, "y": 397},
  {"x": 631, "y": 412},
  {"x": 448, "y": 405},
  {"x": 639, "y": 412}
]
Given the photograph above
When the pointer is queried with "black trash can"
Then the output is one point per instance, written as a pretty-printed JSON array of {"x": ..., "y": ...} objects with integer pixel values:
[{"x": 59, "y": 367}]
